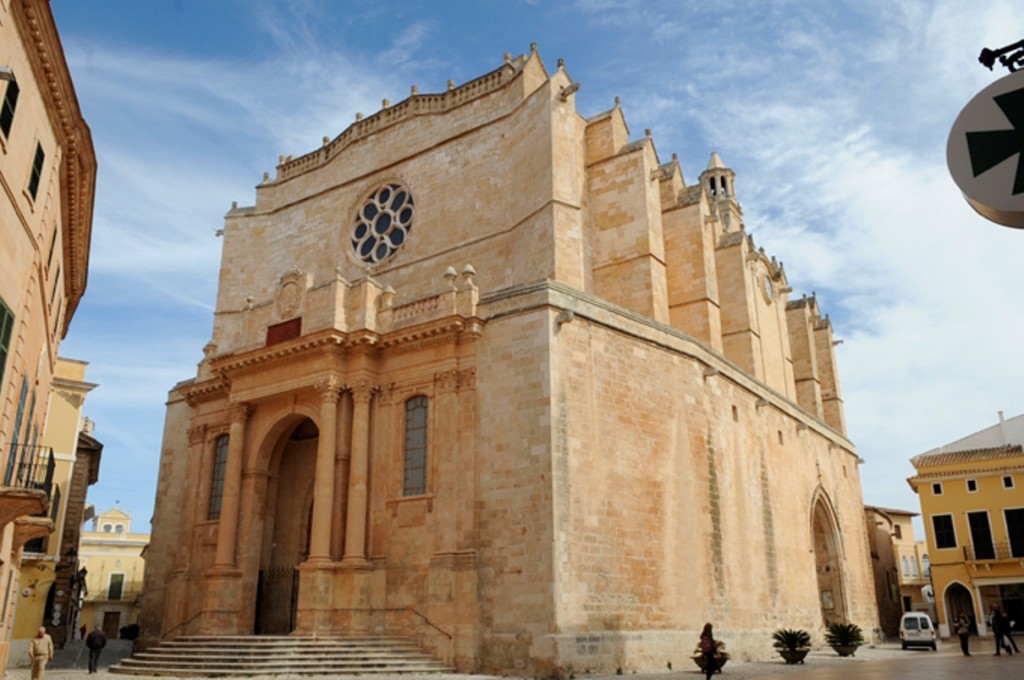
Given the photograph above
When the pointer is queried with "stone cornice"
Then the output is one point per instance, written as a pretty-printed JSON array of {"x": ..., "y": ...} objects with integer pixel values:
[
  {"x": 34, "y": 21},
  {"x": 451, "y": 329},
  {"x": 414, "y": 105}
]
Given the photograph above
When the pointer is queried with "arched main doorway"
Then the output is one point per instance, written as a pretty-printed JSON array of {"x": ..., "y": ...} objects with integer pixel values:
[
  {"x": 288, "y": 510},
  {"x": 828, "y": 564},
  {"x": 956, "y": 599}
]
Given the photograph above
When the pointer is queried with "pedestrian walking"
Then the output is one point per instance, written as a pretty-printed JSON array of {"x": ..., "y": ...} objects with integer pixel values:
[
  {"x": 1007, "y": 626},
  {"x": 40, "y": 651},
  {"x": 999, "y": 633},
  {"x": 95, "y": 641},
  {"x": 707, "y": 650},
  {"x": 962, "y": 627}
]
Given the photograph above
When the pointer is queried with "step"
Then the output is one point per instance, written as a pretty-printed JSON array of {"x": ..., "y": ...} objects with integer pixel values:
[{"x": 215, "y": 656}]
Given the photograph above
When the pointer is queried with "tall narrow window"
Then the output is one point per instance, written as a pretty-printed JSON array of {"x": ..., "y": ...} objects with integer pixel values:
[
  {"x": 927, "y": 566},
  {"x": 6, "y": 326},
  {"x": 897, "y": 531},
  {"x": 7, "y": 110},
  {"x": 37, "y": 171},
  {"x": 906, "y": 567},
  {"x": 415, "y": 478},
  {"x": 1015, "y": 530},
  {"x": 981, "y": 535},
  {"x": 53, "y": 291},
  {"x": 220, "y": 461},
  {"x": 53, "y": 246},
  {"x": 116, "y": 587},
  {"x": 945, "y": 536},
  {"x": 16, "y": 433}
]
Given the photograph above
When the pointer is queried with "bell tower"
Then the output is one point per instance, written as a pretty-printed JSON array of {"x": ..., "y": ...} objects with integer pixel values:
[{"x": 719, "y": 183}]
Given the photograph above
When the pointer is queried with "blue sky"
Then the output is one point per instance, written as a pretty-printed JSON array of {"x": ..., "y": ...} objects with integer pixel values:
[{"x": 833, "y": 115}]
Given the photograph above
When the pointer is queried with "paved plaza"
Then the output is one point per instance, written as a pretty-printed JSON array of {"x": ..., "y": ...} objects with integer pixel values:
[{"x": 883, "y": 662}]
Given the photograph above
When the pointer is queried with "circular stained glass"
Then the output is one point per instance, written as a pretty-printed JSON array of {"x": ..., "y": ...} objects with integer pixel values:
[{"x": 382, "y": 223}]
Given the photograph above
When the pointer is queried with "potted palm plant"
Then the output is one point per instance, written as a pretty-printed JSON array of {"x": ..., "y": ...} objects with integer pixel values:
[
  {"x": 792, "y": 643},
  {"x": 845, "y": 638},
  {"x": 721, "y": 656}
]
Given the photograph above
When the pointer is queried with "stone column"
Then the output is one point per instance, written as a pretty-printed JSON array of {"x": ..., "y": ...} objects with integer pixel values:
[
  {"x": 341, "y": 465},
  {"x": 323, "y": 486},
  {"x": 228, "y": 528},
  {"x": 355, "y": 526}
]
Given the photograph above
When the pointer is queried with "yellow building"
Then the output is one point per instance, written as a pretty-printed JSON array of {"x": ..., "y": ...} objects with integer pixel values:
[
  {"x": 972, "y": 502},
  {"x": 46, "y": 585},
  {"x": 112, "y": 557},
  {"x": 913, "y": 565},
  {"x": 47, "y": 182}
]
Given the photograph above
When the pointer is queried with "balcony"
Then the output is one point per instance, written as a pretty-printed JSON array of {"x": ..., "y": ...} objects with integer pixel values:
[
  {"x": 993, "y": 552},
  {"x": 27, "y": 484}
]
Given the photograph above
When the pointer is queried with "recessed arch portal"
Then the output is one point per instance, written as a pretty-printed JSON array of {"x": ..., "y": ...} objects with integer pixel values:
[
  {"x": 828, "y": 561},
  {"x": 285, "y": 540}
]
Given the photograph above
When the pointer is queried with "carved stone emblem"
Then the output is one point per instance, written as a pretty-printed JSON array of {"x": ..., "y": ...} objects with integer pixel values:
[{"x": 289, "y": 294}]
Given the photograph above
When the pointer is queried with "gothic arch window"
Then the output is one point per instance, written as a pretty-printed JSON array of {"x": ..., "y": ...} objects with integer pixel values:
[
  {"x": 414, "y": 480},
  {"x": 220, "y": 461},
  {"x": 906, "y": 567}
]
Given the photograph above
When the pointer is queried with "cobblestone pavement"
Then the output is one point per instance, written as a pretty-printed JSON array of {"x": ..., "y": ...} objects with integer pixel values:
[{"x": 870, "y": 663}]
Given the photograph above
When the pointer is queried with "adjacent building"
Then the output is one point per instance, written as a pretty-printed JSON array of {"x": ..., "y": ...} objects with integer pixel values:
[
  {"x": 112, "y": 557},
  {"x": 48, "y": 585},
  {"x": 494, "y": 375},
  {"x": 972, "y": 503},
  {"x": 47, "y": 181},
  {"x": 901, "y": 567},
  {"x": 915, "y": 577},
  {"x": 884, "y": 567}
]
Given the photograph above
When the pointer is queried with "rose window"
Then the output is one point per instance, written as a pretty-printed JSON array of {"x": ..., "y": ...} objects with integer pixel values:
[{"x": 382, "y": 223}]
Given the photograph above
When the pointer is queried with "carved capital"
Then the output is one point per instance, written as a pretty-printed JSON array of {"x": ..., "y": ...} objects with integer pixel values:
[
  {"x": 362, "y": 391},
  {"x": 455, "y": 379},
  {"x": 329, "y": 389},
  {"x": 447, "y": 380},
  {"x": 239, "y": 412},
  {"x": 197, "y": 434}
]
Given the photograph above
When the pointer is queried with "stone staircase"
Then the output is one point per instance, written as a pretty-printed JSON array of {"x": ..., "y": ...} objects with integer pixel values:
[{"x": 214, "y": 656}]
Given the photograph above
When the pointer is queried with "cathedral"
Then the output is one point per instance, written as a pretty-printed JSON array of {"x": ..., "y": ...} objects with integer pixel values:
[{"x": 489, "y": 374}]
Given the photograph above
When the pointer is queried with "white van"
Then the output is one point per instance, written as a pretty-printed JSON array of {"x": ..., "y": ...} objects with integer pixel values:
[{"x": 916, "y": 630}]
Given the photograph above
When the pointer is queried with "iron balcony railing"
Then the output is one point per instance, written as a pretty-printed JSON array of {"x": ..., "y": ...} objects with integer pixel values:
[
  {"x": 992, "y": 551},
  {"x": 30, "y": 467}
]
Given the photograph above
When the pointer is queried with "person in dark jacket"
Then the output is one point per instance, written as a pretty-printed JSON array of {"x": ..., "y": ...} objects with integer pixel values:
[
  {"x": 708, "y": 650},
  {"x": 95, "y": 641},
  {"x": 962, "y": 627},
  {"x": 999, "y": 632},
  {"x": 1007, "y": 626}
]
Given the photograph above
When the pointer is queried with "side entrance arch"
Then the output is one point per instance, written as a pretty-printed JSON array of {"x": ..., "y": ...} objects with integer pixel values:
[
  {"x": 828, "y": 563},
  {"x": 956, "y": 599},
  {"x": 285, "y": 542}
]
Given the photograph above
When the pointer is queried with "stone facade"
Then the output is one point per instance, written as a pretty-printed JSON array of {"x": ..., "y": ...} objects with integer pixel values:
[
  {"x": 488, "y": 373},
  {"x": 47, "y": 183}
]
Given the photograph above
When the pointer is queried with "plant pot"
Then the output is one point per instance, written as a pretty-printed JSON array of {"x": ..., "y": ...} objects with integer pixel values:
[
  {"x": 702, "y": 662},
  {"x": 845, "y": 650},
  {"x": 793, "y": 655}
]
